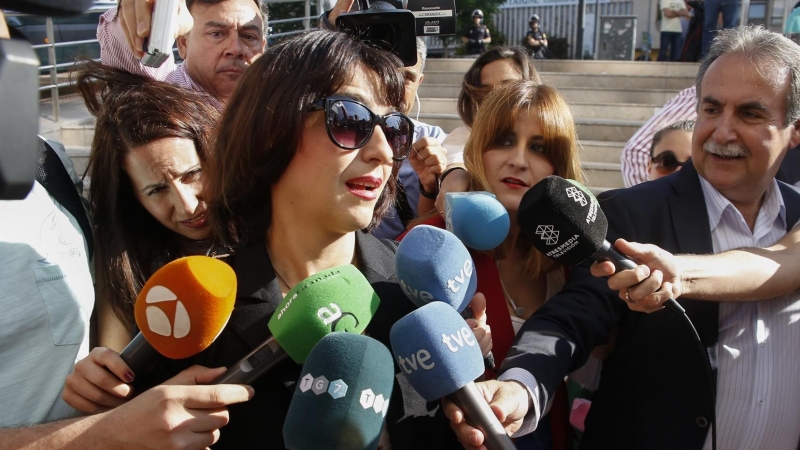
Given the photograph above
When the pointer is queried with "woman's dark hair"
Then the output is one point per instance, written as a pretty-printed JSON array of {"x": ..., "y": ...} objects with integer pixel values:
[
  {"x": 132, "y": 111},
  {"x": 473, "y": 92},
  {"x": 262, "y": 127}
]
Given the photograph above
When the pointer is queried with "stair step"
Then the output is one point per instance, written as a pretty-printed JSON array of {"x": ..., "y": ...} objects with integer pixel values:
[
  {"x": 585, "y": 66},
  {"x": 594, "y": 80},
  {"x": 625, "y": 111},
  {"x": 601, "y": 151},
  {"x": 80, "y": 157},
  {"x": 572, "y": 94},
  {"x": 603, "y": 174}
]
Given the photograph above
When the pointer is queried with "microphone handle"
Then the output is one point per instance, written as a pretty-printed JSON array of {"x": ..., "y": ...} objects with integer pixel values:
[
  {"x": 138, "y": 354},
  {"x": 479, "y": 415},
  {"x": 607, "y": 252},
  {"x": 254, "y": 364}
]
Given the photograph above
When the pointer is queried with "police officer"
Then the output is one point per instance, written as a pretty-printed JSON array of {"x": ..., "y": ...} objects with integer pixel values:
[
  {"x": 476, "y": 36},
  {"x": 536, "y": 40}
]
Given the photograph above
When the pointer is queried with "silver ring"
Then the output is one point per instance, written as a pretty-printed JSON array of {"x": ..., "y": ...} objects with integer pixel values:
[{"x": 628, "y": 299}]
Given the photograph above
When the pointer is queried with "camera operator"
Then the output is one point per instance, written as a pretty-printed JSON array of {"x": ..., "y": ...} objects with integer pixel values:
[{"x": 47, "y": 298}]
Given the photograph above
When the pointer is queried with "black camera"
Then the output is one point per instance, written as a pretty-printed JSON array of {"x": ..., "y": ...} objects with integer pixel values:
[{"x": 385, "y": 24}]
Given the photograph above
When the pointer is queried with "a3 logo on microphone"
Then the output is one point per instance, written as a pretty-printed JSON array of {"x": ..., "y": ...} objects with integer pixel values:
[{"x": 338, "y": 389}]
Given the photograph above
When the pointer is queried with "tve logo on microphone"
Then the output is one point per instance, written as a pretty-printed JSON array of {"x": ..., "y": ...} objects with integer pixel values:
[
  {"x": 459, "y": 339},
  {"x": 462, "y": 277},
  {"x": 157, "y": 319}
]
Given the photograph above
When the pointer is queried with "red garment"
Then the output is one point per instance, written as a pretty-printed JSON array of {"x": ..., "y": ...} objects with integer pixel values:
[
  {"x": 497, "y": 316},
  {"x": 499, "y": 320}
]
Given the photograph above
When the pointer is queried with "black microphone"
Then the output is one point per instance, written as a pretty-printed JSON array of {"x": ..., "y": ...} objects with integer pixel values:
[{"x": 563, "y": 220}]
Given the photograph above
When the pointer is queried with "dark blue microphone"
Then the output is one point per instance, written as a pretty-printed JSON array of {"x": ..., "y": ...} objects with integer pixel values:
[
  {"x": 342, "y": 396},
  {"x": 440, "y": 357}
]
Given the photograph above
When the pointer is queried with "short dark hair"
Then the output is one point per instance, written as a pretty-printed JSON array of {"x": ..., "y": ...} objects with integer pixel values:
[
  {"x": 765, "y": 49},
  {"x": 473, "y": 92},
  {"x": 263, "y": 8},
  {"x": 683, "y": 125},
  {"x": 262, "y": 126}
]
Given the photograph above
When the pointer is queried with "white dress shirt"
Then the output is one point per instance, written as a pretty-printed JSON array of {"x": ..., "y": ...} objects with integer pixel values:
[{"x": 758, "y": 378}]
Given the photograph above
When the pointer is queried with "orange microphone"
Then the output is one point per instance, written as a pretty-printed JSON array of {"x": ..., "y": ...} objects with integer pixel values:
[{"x": 181, "y": 310}]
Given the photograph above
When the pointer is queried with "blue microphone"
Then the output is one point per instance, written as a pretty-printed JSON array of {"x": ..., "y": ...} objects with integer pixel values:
[
  {"x": 477, "y": 219},
  {"x": 433, "y": 265},
  {"x": 342, "y": 396},
  {"x": 440, "y": 357}
]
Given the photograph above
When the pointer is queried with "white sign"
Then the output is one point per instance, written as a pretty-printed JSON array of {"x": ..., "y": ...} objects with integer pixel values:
[{"x": 527, "y": 3}]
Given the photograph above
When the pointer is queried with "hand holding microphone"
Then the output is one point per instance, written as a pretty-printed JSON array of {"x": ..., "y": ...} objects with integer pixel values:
[
  {"x": 440, "y": 357},
  {"x": 180, "y": 311},
  {"x": 342, "y": 396},
  {"x": 563, "y": 220},
  {"x": 336, "y": 299},
  {"x": 139, "y": 22},
  {"x": 651, "y": 283},
  {"x": 434, "y": 266}
]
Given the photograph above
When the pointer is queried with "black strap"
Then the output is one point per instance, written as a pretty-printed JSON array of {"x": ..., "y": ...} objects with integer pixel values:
[
  {"x": 404, "y": 211},
  {"x": 53, "y": 176}
]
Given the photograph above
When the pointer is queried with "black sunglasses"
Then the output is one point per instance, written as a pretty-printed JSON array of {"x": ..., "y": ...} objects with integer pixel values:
[
  {"x": 666, "y": 162},
  {"x": 350, "y": 123}
]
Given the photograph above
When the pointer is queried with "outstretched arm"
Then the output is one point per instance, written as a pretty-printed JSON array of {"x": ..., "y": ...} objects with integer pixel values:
[{"x": 747, "y": 274}]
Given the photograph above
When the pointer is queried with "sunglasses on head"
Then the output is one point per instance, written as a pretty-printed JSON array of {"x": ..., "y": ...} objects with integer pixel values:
[
  {"x": 350, "y": 123},
  {"x": 666, "y": 162}
]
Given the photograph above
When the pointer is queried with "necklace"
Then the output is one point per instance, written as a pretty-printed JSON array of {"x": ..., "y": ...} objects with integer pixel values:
[
  {"x": 517, "y": 310},
  {"x": 281, "y": 278}
]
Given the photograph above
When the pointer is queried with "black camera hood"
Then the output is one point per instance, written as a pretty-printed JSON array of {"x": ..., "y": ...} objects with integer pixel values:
[{"x": 385, "y": 27}]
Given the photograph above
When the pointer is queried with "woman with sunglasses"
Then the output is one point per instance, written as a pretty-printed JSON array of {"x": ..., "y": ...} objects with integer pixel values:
[
  {"x": 671, "y": 148},
  {"x": 305, "y": 163}
]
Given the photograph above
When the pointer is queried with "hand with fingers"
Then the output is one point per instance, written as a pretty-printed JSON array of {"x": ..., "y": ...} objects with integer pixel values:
[
  {"x": 653, "y": 282},
  {"x": 98, "y": 382},
  {"x": 136, "y": 16},
  {"x": 455, "y": 181},
  {"x": 508, "y": 400},
  {"x": 481, "y": 330},
  {"x": 428, "y": 159},
  {"x": 179, "y": 414},
  {"x": 341, "y": 7}
]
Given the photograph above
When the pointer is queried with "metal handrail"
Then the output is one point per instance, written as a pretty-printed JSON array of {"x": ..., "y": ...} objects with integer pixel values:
[{"x": 53, "y": 65}]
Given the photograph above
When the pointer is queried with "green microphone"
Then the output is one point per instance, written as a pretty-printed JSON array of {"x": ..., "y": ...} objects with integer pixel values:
[{"x": 338, "y": 299}]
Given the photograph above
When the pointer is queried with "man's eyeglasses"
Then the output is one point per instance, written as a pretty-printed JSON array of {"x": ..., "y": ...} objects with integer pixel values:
[
  {"x": 666, "y": 162},
  {"x": 350, "y": 123}
]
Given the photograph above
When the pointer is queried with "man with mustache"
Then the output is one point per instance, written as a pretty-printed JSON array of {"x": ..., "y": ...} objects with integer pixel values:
[
  {"x": 654, "y": 391},
  {"x": 217, "y": 39}
]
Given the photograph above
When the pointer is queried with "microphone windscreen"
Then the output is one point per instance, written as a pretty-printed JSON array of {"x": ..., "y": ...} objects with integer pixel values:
[
  {"x": 433, "y": 265},
  {"x": 336, "y": 299},
  {"x": 47, "y": 7},
  {"x": 342, "y": 396},
  {"x": 185, "y": 305},
  {"x": 436, "y": 350},
  {"x": 563, "y": 220},
  {"x": 477, "y": 219}
]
